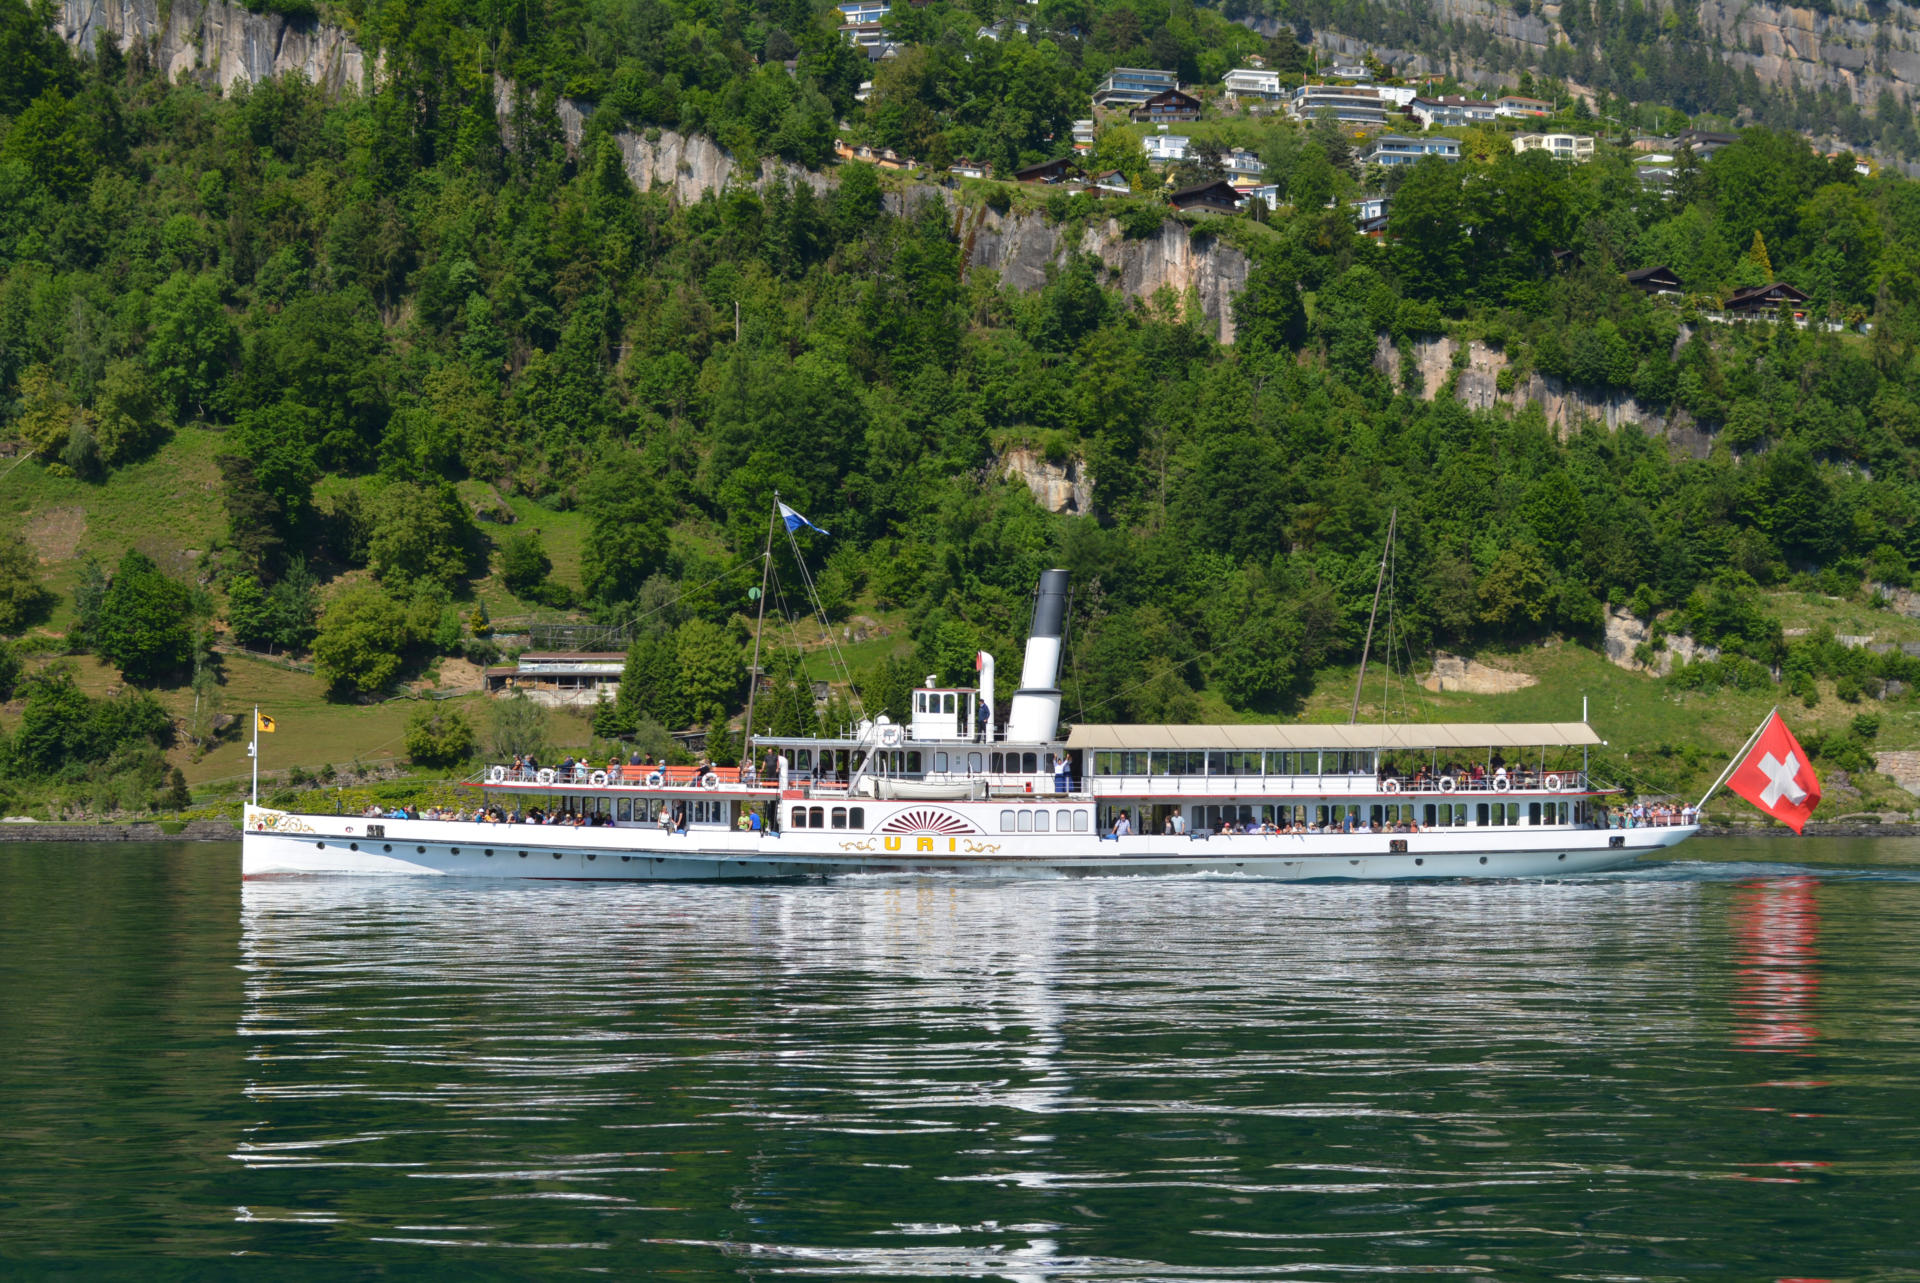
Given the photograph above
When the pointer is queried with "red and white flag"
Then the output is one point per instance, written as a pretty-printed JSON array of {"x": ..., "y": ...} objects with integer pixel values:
[{"x": 1777, "y": 777}]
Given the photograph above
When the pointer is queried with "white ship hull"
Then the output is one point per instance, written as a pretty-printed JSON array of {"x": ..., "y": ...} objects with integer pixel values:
[{"x": 281, "y": 844}]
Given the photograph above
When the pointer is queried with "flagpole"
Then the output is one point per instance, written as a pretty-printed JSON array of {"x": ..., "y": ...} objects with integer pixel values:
[
  {"x": 1738, "y": 758},
  {"x": 759, "y": 625},
  {"x": 254, "y": 752}
]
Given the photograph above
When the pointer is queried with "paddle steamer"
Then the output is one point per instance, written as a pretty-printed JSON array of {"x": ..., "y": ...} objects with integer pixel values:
[{"x": 957, "y": 789}]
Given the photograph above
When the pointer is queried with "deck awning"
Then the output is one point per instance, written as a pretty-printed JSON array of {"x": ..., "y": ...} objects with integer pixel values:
[{"x": 1447, "y": 735}]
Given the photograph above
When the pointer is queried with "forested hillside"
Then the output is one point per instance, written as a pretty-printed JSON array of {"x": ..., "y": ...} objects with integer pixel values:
[{"x": 355, "y": 337}]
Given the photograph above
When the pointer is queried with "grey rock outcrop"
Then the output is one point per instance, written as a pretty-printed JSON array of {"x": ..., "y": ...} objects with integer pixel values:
[
  {"x": 1476, "y": 383},
  {"x": 219, "y": 41},
  {"x": 1457, "y": 673},
  {"x": 1057, "y": 487},
  {"x": 1201, "y": 271}
]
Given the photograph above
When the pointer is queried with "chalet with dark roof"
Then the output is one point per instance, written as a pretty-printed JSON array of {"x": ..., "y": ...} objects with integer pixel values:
[
  {"x": 1047, "y": 171},
  {"x": 1167, "y": 107},
  {"x": 1217, "y": 197},
  {"x": 1767, "y": 298},
  {"x": 1655, "y": 280}
]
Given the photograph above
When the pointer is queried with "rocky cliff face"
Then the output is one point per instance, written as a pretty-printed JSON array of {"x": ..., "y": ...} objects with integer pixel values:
[
  {"x": 1202, "y": 271},
  {"x": 218, "y": 41},
  {"x": 1057, "y": 487},
  {"x": 1476, "y": 382}
]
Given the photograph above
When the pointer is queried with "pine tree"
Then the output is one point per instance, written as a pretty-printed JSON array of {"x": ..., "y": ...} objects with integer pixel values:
[
  {"x": 1757, "y": 255},
  {"x": 178, "y": 798}
]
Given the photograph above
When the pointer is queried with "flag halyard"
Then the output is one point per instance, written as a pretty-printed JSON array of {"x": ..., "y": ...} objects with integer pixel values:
[{"x": 1777, "y": 777}]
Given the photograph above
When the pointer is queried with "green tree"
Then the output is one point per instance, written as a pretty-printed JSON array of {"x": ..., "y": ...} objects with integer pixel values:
[
  {"x": 519, "y": 727},
  {"x": 626, "y": 529},
  {"x": 420, "y": 535},
  {"x": 650, "y": 684},
  {"x": 10, "y": 668},
  {"x": 524, "y": 564},
  {"x": 1425, "y": 232},
  {"x": 178, "y": 796},
  {"x": 363, "y": 637},
  {"x": 247, "y": 614},
  {"x": 1515, "y": 593},
  {"x": 439, "y": 736},
  {"x": 193, "y": 342},
  {"x": 145, "y": 622},
  {"x": 24, "y": 601},
  {"x": 709, "y": 663}
]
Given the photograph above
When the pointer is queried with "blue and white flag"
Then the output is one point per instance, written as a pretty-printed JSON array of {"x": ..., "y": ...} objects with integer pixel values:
[{"x": 794, "y": 520}]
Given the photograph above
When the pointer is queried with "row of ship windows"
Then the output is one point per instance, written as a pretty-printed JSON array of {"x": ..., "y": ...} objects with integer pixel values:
[
  {"x": 1312, "y": 761},
  {"x": 908, "y": 762},
  {"x": 1034, "y": 820},
  {"x": 820, "y": 817}
]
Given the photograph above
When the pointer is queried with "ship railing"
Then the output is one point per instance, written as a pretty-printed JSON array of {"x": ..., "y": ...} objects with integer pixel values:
[
  {"x": 622, "y": 776},
  {"x": 1430, "y": 785}
]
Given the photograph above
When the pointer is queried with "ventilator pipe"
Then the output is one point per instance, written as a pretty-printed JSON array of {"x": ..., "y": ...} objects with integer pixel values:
[
  {"x": 1036, "y": 705},
  {"x": 984, "y": 663}
]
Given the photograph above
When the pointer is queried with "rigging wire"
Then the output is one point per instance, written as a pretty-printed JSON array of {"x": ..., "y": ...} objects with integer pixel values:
[{"x": 826, "y": 629}]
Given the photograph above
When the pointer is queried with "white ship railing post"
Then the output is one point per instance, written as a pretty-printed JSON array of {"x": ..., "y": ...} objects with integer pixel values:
[{"x": 253, "y": 751}]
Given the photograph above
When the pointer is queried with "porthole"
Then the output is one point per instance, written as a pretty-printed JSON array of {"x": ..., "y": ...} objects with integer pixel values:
[
  {"x": 1418, "y": 860},
  {"x": 489, "y": 853},
  {"x": 626, "y": 859},
  {"x": 1483, "y": 859},
  {"x": 593, "y": 857},
  {"x": 387, "y": 846},
  {"x": 421, "y": 849},
  {"x": 321, "y": 845},
  {"x": 1563, "y": 855},
  {"x": 456, "y": 850},
  {"x": 353, "y": 846},
  {"x": 523, "y": 855},
  {"x": 556, "y": 855}
]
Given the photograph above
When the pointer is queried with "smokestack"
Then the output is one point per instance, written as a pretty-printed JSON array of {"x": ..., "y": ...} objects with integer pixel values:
[{"x": 1036, "y": 705}]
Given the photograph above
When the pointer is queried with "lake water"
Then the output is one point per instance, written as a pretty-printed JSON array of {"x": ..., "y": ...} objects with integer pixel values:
[{"x": 1707, "y": 1068}]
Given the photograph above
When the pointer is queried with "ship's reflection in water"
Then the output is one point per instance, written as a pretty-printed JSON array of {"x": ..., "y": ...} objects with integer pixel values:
[
  {"x": 1183, "y": 1078},
  {"x": 1776, "y": 927}
]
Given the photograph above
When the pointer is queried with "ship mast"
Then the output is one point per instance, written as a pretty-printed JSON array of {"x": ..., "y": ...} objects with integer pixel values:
[
  {"x": 1386, "y": 551},
  {"x": 759, "y": 623}
]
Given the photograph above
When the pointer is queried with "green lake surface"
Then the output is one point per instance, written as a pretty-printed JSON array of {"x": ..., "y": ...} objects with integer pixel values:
[{"x": 1702, "y": 1068}]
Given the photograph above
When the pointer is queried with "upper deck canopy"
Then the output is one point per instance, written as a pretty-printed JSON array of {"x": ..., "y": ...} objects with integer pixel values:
[{"x": 1447, "y": 735}]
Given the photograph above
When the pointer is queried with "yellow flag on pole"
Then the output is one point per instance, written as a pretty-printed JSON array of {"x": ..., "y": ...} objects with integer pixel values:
[{"x": 266, "y": 723}]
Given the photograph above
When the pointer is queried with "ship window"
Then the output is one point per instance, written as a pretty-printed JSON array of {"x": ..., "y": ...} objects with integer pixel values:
[
  {"x": 946, "y": 704},
  {"x": 816, "y": 817},
  {"x": 1079, "y": 821},
  {"x": 1006, "y": 821},
  {"x": 1039, "y": 821},
  {"x": 1533, "y": 813},
  {"x": 940, "y": 762},
  {"x": 1179, "y": 762},
  {"x": 857, "y": 818},
  {"x": 839, "y": 817},
  {"x": 1232, "y": 762},
  {"x": 799, "y": 820},
  {"x": 994, "y": 761},
  {"x": 919, "y": 701},
  {"x": 973, "y": 763},
  {"x": 1029, "y": 762},
  {"x": 913, "y": 763},
  {"x": 1064, "y": 821},
  {"x": 1026, "y": 821}
]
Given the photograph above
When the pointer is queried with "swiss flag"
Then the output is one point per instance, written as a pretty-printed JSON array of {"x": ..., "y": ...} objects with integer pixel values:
[{"x": 1776, "y": 776}]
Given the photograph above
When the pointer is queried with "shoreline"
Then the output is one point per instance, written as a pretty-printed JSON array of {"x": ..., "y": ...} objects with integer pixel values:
[{"x": 142, "y": 831}]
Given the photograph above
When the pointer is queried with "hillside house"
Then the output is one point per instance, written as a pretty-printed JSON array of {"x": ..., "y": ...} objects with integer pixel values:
[
  {"x": 1047, "y": 171},
  {"x": 1764, "y": 299},
  {"x": 1655, "y": 280},
  {"x": 1451, "y": 112},
  {"x": 1252, "y": 84},
  {"x": 1128, "y": 87},
  {"x": 1164, "y": 149},
  {"x": 573, "y": 679},
  {"x": 1244, "y": 168},
  {"x": 1167, "y": 107},
  {"x": 1577, "y": 148},
  {"x": 1348, "y": 104},
  {"x": 1112, "y": 181},
  {"x": 1217, "y": 197},
  {"x": 964, "y": 168},
  {"x": 1393, "y": 149},
  {"x": 1514, "y": 106}
]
